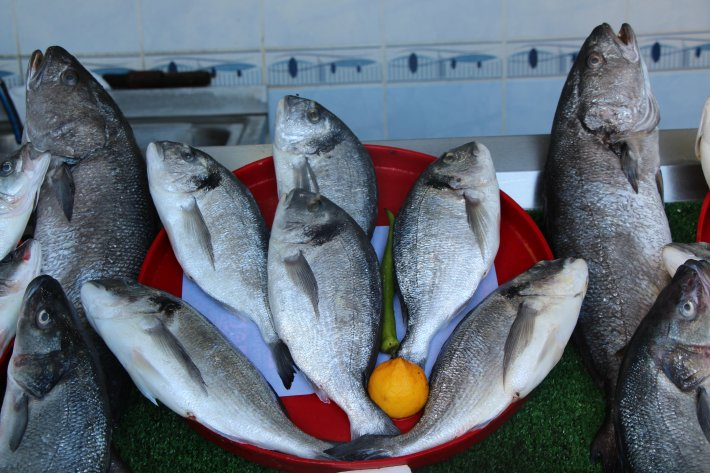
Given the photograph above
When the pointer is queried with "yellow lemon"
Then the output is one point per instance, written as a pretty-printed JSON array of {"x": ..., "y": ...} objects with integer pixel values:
[{"x": 399, "y": 387}]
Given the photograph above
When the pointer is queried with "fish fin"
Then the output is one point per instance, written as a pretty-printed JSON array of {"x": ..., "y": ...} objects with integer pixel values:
[
  {"x": 38, "y": 374},
  {"x": 300, "y": 272},
  {"x": 285, "y": 365},
  {"x": 521, "y": 332},
  {"x": 659, "y": 183},
  {"x": 19, "y": 418},
  {"x": 195, "y": 225},
  {"x": 306, "y": 178},
  {"x": 146, "y": 369},
  {"x": 172, "y": 345},
  {"x": 630, "y": 164},
  {"x": 477, "y": 221},
  {"x": 703, "y": 409},
  {"x": 362, "y": 448},
  {"x": 702, "y": 128},
  {"x": 59, "y": 178}
]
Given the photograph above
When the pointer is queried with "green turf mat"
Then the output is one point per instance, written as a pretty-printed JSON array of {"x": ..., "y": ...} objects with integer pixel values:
[{"x": 551, "y": 432}]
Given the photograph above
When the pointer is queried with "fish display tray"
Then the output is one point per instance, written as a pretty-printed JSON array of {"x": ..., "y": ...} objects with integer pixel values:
[
  {"x": 521, "y": 246},
  {"x": 703, "y": 233}
]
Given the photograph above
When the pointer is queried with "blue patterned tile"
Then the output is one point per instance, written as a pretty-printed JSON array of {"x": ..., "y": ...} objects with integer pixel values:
[
  {"x": 445, "y": 62},
  {"x": 676, "y": 52},
  {"x": 208, "y": 25},
  {"x": 323, "y": 67},
  {"x": 542, "y": 59},
  {"x": 227, "y": 69},
  {"x": 530, "y": 105},
  {"x": 442, "y": 110},
  {"x": 360, "y": 108}
]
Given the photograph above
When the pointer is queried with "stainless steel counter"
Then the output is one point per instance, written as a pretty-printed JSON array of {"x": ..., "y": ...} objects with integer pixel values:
[{"x": 519, "y": 161}]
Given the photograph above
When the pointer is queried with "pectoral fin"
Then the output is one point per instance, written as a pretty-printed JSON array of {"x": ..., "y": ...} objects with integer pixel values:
[
  {"x": 306, "y": 178},
  {"x": 59, "y": 178},
  {"x": 630, "y": 164},
  {"x": 300, "y": 272},
  {"x": 703, "y": 409},
  {"x": 519, "y": 337},
  {"x": 18, "y": 416},
  {"x": 195, "y": 226},
  {"x": 172, "y": 345},
  {"x": 478, "y": 221}
]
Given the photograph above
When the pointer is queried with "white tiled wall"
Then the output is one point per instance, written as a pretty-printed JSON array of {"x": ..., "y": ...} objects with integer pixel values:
[{"x": 390, "y": 68}]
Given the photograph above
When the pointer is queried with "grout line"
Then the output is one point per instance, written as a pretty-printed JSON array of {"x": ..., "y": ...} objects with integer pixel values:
[{"x": 141, "y": 36}]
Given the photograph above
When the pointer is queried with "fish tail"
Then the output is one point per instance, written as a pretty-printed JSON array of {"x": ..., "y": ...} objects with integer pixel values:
[
  {"x": 367, "y": 447},
  {"x": 285, "y": 365}
]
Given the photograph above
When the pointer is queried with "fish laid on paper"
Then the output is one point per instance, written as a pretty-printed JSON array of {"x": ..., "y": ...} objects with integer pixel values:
[
  {"x": 218, "y": 235},
  {"x": 446, "y": 236}
]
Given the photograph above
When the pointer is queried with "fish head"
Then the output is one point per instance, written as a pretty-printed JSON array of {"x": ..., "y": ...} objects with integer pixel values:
[
  {"x": 66, "y": 107},
  {"x": 47, "y": 321},
  {"x": 21, "y": 175},
  {"x": 179, "y": 168},
  {"x": 19, "y": 267},
  {"x": 611, "y": 85},
  {"x": 685, "y": 304},
  {"x": 305, "y": 127},
  {"x": 309, "y": 218},
  {"x": 466, "y": 167}
]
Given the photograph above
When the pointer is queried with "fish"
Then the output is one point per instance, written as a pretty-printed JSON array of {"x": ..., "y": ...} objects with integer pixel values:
[
  {"x": 663, "y": 405},
  {"x": 603, "y": 201},
  {"x": 17, "y": 270},
  {"x": 218, "y": 235},
  {"x": 314, "y": 150},
  {"x": 702, "y": 141},
  {"x": 500, "y": 351},
  {"x": 21, "y": 175},
  {"x": 55, "y": 413},
  {"x": 325, "y": 294},
  {"x": 95, "y": 217},
  {"x": 675, "y": 254},
  {"x": 446, "y": 235},
  {"x": 176, "y": 356}
]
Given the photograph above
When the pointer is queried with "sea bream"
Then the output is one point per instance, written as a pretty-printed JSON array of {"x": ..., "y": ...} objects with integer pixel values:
[
  {"x": 663, "y": 399},
  {"x": 176, "y": 356},
  {"x": 603, "y": 201},
  {"x": 326, "y": 296},
  {"x": 21, "y": 176},
  {"x": 497, "y": 355},
  {"x": 17, "y": 270},
  {"x": 218, "y": 235},
  {"x": 55, "y": 414},
  {"x": 446, "y": 236},
  {"x": 316, "y": 151}
]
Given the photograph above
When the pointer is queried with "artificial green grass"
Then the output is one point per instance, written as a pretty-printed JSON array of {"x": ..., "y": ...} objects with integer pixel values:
[{"x": 551, "y": 432}]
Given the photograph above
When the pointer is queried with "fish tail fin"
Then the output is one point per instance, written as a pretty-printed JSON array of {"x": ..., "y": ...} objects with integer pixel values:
[
  {"x": 367, "y": 447},
  {"x": 285, "y": 365}
]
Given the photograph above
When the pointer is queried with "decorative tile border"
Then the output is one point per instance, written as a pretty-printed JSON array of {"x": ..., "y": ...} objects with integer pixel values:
[
  {"x": 677, "y": 53},
  {"x": 227, "y": 69},
  {"x": 313, "y": 67},
  {"x": 444, "y": 63}
]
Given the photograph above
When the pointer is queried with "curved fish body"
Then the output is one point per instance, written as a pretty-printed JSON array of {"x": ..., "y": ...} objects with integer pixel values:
[
  {"x": 498, "y": 354},
  {"x": 176, "y": 356},
  {"x": 94, "y": 215},
  {"x": 316, "y": 151},
  {"x": 17, "y": 270},
  {"x": 326, "y": 297},
  {"x": 55, "y": 412},
  {"x": 446, "y": 236},
  {"x": 603, "y": 201},
  {"x": 218, "y": 235},
  {"x": 663, "y": 395},
  {"x": 21, "y": 176},
  {"x": 702, "y": 141}
]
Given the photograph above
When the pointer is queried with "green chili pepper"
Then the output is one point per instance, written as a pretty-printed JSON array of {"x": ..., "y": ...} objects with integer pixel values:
[{"x": 389, "y": 343}]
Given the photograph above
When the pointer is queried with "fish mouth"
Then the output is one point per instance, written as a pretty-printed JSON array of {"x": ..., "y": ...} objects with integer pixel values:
[
  {"x": 626, "y": 35},
  {"x": 36, "y": 67}
]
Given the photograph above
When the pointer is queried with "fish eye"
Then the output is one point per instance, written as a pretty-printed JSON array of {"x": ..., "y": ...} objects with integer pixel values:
[
  {"x": 595, "y": 60},
  {"x": 313, "y": 115},
  {"x": 687, "y": 309},
  {"x": 189, "y": 157},
  {"x": 314, "y": 205},
  {"x": 70, "y": 77},
  {"x": 6, "y": 168},
  {"x": 43, "y": 318},
  {"x": 449, "y": 158}
]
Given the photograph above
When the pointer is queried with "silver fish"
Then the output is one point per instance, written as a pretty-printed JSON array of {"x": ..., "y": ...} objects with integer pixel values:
[
  {"x": 316, "y": 151},
  {"x": 21, "y": 176},
  {"x": 446, "y": 236},
  {"x": 326, "y": 297},
  {"x": 663, "y": 399},
  {"x": 17, "y": 270},
  {"x": 218, "y": 235},
  {"x": 603, "y": 201},
  {"x": 55, "y": 412},
  {"x": 176, "y": 356},
  {"x": 498, "y": 354}
]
